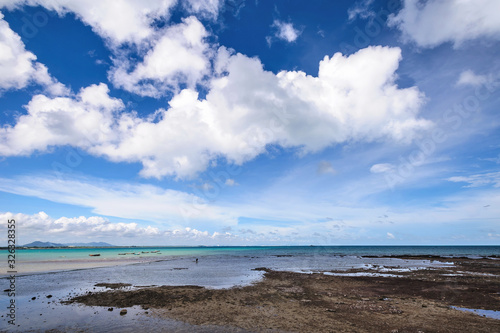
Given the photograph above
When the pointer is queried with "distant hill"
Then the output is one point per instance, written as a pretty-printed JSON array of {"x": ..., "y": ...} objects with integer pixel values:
[
  {"x": 95, "y": 244},
  {"x": 50, "y": 244},
  {"x": 44, "y": 244}
]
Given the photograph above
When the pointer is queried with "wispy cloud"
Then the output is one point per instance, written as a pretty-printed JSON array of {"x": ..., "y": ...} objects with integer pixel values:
[
  {"x": 124, "y": 200},
  {"x": 325, "y": 167},
  {"x": 478, "y": 180},
  {"x": 382, "y": 168},
  {"x": 267, "y": 220},
  {"x": 435, "y": 22},
  {"x": 361, "y": 9}
]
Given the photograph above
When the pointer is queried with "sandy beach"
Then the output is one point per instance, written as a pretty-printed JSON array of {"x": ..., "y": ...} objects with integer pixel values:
[{"x": 367, "y": 300}]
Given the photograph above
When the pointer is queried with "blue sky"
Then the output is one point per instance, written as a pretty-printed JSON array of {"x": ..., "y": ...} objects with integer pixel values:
[{"x": 251, "y": 122}]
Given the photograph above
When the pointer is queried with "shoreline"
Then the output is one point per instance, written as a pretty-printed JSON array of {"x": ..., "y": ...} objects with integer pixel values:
[
  {"x": 318, "y": 302},
  {"x": 57, "y": 266},
  {"x": 70, "y": 264}
]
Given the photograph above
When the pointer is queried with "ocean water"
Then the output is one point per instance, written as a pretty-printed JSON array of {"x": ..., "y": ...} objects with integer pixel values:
[
  {"x": 29, "y": 261},
  {"x": 30, "y": 255},
  {"x": 67, "y": 272}
]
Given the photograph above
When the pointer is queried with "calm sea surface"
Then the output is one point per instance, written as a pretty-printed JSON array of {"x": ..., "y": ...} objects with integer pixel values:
[
  {"x": 112, "y": 253},
  {"x": 30, "y": 261}
]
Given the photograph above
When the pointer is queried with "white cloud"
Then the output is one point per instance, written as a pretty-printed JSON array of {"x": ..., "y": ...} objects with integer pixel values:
[
  {"x": 361, "y": 9},
  {"x": 180, "y": 55},
  {"x": 469, "y": 78},
  {"x": 353, "y": 98},
  {"x": 207, "y": 186},
  {"x": 136, "y": 201},
  {"x": 285, "y": 31},
  {"x": 382, "y": 168},
  {"x": 493, "y": 159},
  {"x": 434, "y": 22},
  {"x": 41, "y": 226},
  {"x": 278, "y": 220},
  {"x": 325, "y": 167},
  {"x": 390, "y": 236},
  {"x": 80, "y": 121},
  {"x": 16, "y": 64},
  {"x": 231, "y": 182},
  {"x": 18, "y": 67},
  {"x": 79, "y": 226},
  {"x": 492, "y": 178},
  {"x": 171, "y": 55},
  {"x": 118, "y": 21},
  {"x": 208, "y": 8}
]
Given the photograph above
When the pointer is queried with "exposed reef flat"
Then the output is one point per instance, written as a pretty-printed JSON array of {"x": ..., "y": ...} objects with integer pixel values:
[{"x": 405, "y": 301}]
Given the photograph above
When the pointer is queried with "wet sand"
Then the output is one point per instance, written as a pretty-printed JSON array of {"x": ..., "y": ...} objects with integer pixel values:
[
  {"x": 408, "y": 301},
  {"x": 46, "y": 266}
]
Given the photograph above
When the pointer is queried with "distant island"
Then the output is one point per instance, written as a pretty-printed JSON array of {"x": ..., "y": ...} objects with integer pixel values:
[{"x": 50, "y": 244}]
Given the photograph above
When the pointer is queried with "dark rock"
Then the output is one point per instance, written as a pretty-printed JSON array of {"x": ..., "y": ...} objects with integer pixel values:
[
  {"x": 49, "y": 296},
  {"x": 123, "y": 312},
  {"x": 113, "y": 285},
  {"x": 110, "y": 309}
]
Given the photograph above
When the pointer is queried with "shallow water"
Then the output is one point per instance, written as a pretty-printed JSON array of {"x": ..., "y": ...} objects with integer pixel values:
[
  {"x": 79, "y": 318},
  {"x": 30, "y": 260},
  {"x": 215, "y": 269},
  {"x": 47, "y": 313},
  {"x": 484, "y": 313}
]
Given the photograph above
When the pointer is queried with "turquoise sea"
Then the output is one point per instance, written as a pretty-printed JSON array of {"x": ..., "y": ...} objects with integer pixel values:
[
  {"x": 29, "y": 255},
  {"x": 30, "y": 261}
]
